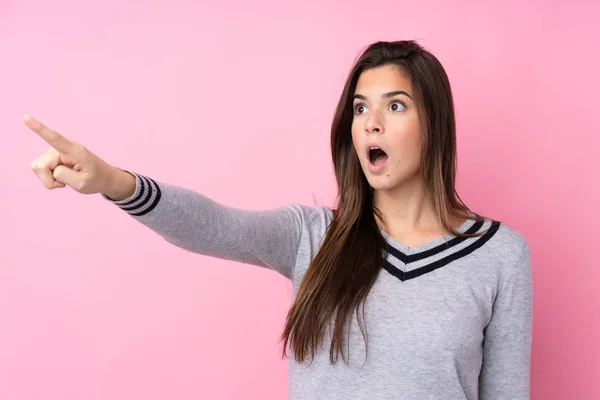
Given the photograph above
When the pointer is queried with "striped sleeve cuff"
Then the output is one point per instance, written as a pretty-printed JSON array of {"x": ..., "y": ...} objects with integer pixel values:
[{"x": 146, "y": 197}]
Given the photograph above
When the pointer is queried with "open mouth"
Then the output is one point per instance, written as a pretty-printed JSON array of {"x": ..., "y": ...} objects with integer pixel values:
[{"x": 376, "y": 155}]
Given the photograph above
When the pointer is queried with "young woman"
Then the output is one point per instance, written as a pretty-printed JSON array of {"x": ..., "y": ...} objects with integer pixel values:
[{"x": 400, "y": 292}]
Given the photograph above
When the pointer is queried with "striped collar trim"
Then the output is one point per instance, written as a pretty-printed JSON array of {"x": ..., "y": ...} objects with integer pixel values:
[{"x": 439, "y": 252}]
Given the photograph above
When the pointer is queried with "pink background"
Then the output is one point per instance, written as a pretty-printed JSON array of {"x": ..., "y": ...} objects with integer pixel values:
[{"x": 235, "y": 99}]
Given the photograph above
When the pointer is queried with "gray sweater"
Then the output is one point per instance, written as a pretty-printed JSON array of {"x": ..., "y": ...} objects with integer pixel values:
[{"x": 449, "y": 319}]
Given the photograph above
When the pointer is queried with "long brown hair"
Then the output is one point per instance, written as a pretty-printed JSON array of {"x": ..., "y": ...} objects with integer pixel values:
[{"x": 352, "y": 252}]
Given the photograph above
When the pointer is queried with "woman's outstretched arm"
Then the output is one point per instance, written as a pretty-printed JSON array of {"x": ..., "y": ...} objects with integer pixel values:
[
  {"x": 193, "y": 221},
  {"x": 185, "y": 218}
]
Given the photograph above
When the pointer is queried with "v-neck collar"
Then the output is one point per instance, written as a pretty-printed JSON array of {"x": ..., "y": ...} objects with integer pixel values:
[
  {"x": 406, "y": 263},
  {"x": 428, "y": 245}
]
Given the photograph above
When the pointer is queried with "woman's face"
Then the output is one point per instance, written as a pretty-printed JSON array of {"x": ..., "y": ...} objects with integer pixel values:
[{"x": 385, "y": 116}]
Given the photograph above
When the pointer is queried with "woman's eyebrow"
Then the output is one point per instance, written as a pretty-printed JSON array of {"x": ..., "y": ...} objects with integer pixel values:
[{"x": 385, "y": 95}]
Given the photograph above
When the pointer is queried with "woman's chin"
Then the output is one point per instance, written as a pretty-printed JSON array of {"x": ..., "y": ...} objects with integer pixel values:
[
  {"x": 387, "y": 182},
  {"x": 380, "y": 184}
]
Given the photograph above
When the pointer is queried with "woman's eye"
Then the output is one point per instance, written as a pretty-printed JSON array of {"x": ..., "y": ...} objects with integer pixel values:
[
  {"x": 359, "y": 108},
  {"x": 396, "y": 106}
]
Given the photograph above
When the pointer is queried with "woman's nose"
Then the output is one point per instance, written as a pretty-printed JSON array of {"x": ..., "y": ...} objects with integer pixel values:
[{"x": 374, "y": 124}]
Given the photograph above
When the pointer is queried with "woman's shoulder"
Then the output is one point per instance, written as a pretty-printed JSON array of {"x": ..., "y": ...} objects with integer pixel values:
[
  {"x": 509, "y": 244},
  {"x": 317, "y": 215},
  {"x": 509, "y": 236}
]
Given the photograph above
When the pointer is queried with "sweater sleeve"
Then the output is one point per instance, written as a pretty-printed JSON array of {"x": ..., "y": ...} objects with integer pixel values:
[
  {"x": 505, "y": 372},
  {"x": 194, "y": 222}
]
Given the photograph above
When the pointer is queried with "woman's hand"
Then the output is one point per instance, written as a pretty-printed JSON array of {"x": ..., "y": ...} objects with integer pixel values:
[{"x": 68, "y": 163}]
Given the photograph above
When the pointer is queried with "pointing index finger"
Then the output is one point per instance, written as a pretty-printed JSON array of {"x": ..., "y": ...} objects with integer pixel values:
[{"x": 53, "y": 138}]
